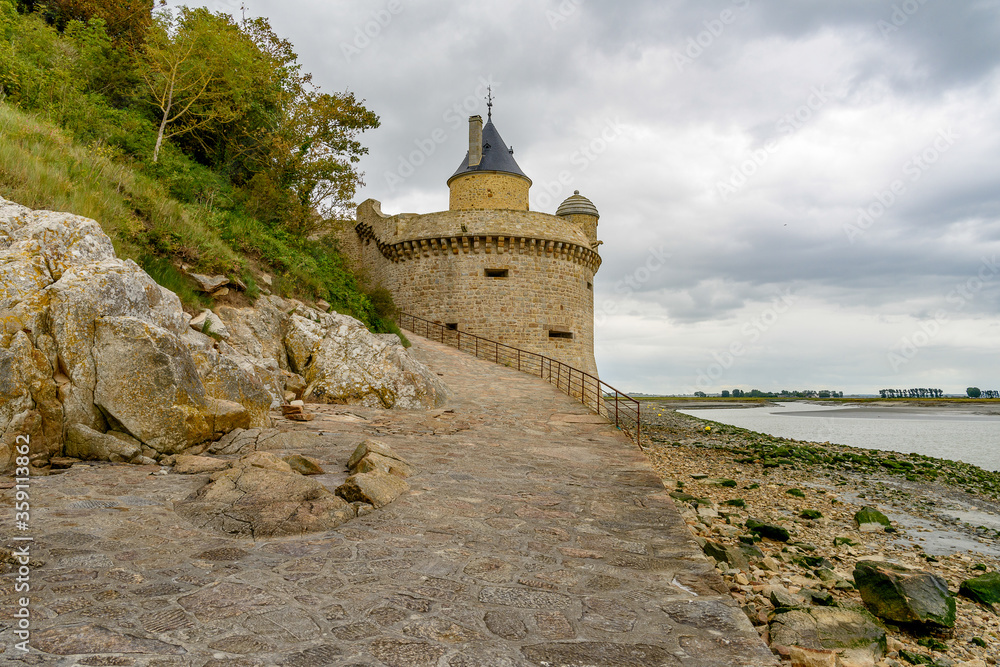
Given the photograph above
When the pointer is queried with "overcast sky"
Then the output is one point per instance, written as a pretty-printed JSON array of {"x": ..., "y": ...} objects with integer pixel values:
[{"x": 793, "y": 194}]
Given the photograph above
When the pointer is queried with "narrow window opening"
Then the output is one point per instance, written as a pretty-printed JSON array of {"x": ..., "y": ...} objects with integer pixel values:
[
  {"x": 497, "y": 273},
  {"x": 560, "y": 334},
  {"x": 453, "y": 326},
  {"x": 590, "y": 285}
]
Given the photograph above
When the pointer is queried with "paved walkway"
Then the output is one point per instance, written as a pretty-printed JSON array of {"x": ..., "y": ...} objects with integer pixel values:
[{"x": 531, "y": 536}]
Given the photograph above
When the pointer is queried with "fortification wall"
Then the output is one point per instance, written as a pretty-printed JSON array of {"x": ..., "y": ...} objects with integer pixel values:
[{"x": 498, "y": 278}]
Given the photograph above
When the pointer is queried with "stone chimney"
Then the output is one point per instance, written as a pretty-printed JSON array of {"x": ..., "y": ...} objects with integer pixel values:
[{"x": 475, "y": 140}]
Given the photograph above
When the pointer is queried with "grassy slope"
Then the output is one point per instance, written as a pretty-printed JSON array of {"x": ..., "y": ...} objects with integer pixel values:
[{"x": 42, "y": 167}]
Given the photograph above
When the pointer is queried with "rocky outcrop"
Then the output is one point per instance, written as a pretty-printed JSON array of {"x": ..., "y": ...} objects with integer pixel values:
[
  {"x": 90, "y": 340},
  {"x": 260, "y": 496},
  {"x": 336, "y": 357},
  {"x": 266, "y": 494}
]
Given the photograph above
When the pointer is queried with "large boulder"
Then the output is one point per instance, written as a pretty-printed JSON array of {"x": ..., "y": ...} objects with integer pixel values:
[
  {"x": 83, "y": 332},
  {"x": 339, "y": 359},
  {"x": 259, "y": 332},
  {"x": 87, "y": 444},
  {"x": 233, "y": 378},
  {"x": 147, "y": 383},
  {"x": 904, "y": 595}
]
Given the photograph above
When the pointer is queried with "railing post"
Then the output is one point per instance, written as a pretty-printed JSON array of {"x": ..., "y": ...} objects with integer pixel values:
[{"x": 638, "y": 429}]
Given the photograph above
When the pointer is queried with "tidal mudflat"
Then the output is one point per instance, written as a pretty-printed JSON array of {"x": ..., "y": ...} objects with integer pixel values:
[
  {"x": 945, "y": 519},
  {"x": 958, "y": 431}
]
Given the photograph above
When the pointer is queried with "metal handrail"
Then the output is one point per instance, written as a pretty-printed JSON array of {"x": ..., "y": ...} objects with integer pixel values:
[{"x": 617, "y": 407}]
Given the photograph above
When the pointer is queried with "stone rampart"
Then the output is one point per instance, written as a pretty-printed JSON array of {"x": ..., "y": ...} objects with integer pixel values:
[{"x": 522, "y": 278}]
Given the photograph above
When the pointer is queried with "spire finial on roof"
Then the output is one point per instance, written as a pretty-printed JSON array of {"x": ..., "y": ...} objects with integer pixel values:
[{"x": 489, "y": 102}]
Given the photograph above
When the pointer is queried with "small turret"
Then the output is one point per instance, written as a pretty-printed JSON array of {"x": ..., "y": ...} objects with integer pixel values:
[
  {"x": 582, "y": 211},
  {"x": 488, "y": 177}
]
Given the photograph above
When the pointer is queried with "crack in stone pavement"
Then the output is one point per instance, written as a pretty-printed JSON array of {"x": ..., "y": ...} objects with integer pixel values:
[{"x": 520, "y": 542}]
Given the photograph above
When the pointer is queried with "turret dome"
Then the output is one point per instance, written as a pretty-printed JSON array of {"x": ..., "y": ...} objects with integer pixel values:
[{"x": 577, "y": 204}]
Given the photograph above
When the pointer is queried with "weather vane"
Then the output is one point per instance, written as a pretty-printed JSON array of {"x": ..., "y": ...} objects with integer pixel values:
[{"x": 489, "y": 102}]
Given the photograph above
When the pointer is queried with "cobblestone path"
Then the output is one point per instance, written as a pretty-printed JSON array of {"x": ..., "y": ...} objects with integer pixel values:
[{"x": 532, "y": 534}]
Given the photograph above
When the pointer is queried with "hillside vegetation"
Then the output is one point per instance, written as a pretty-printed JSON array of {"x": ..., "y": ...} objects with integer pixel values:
[{"x": 194, "y": 139}]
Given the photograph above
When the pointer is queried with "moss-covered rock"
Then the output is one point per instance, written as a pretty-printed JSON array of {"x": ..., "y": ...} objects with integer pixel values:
[
  {"x": 732, "y": 556},
  {"x": 902, "y": 595},
  {"x": 769, "y": 530},
  {"x": 984, "y": 588},
  {"x": 870, "y": 519}
]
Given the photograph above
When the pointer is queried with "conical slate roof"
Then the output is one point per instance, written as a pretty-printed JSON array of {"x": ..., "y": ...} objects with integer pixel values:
[
  {"x": 577, "y": 204},
  {"x": 496, "y": 155}
]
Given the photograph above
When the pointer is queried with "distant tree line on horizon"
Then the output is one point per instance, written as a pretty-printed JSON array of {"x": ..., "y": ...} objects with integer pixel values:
[
  {"x": 911, "y": 393},
  {"x": 784, "y": 393},
  {"x": 976, "y": 392},
  {"x": 972, "y": 392}
]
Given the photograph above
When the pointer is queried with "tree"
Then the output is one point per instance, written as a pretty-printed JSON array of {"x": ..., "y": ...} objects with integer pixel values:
[
  {"x": 312, "y": 150},
  {"x": 127, "y": 20},
  {"x": 973, "y": 392},
  {"x": 725, "y": 393},
  {"x": 292, "y": 148},
  {"x": 199, "y": 70}
]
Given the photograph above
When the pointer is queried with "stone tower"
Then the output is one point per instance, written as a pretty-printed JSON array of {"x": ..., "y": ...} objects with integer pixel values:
[{"x": 488, "y": 265}]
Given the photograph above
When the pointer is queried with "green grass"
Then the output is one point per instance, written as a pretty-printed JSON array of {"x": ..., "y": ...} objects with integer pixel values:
[{"x": 43, "y": 167}]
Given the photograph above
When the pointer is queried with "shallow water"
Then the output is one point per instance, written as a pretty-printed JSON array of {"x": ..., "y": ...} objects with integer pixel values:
[{"x": 956, "y": 436}]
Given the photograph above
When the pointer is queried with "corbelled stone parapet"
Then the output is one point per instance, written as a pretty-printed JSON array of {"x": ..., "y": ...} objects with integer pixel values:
[{"x": 407, "y": 236}]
